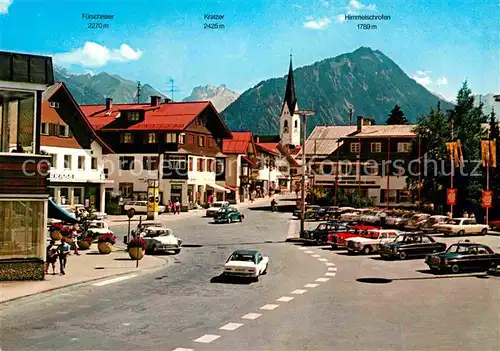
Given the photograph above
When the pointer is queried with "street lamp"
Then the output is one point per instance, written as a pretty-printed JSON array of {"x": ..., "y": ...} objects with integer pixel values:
[{"x": 304, "y": 114}]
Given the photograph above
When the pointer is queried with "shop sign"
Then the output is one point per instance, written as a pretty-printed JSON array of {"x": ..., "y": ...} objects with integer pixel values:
[
  {"x": 61, "y": 176},
  {"x": 451, "y": 196},
  {"x": 487, "y": 199}
]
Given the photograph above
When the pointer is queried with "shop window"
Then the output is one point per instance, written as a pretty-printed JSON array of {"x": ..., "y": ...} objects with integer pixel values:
[
  {"x": 81, "y": 162},
  {"x": 150, "y": 163},
  {"x": 127, "y": 163},
  {"x": 67, "y": 161},
  {"x": 22, "y": 229},
  {"x": 93, "y": 163},
  {"x": 404, "y": 196},
  {"x": 77, "y": 196},
  {"x": 126, "y": 189},
  {"x": 64, "y": 196}
]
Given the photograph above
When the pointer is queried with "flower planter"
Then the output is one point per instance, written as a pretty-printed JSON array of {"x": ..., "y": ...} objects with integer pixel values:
[
  {"x": 83, "y": 244},
  {"x": 55, "y": 235},
  {"x": 136, "y": 253},
  {"x": 105, "y": 247}
]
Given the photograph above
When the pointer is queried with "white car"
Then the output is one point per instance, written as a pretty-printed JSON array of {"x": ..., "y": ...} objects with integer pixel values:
[
  {"x": 353, "y": 216},
  {"x": 462, "y": 226},
  {"x": 371, "y": 241},
  {"x": 141, "y": 207},
  {"x": 98, "y": 228},
  {"x": 417, "y": 221},
  {"x": 246, "y": 263},
  {"x": 159, "y": 238},
  {"x": 395, "y": 220},
  {"x": 431, "y": 224},
  {"x": 216, "y": 206},
  {"x": 372, "y": 217}
]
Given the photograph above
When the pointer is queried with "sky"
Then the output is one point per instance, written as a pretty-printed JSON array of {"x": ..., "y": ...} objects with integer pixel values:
[{"x": 437, "y": 43}]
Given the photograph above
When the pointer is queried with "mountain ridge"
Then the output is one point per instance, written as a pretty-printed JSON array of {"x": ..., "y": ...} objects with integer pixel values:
[{"x": 220, "y": 96}]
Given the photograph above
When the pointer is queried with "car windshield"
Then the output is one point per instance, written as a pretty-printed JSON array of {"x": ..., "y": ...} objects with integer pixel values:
[
  {"x": 242, "y": 257},
  {"x": 96, "y": 225},
  {"x": 453, "y": 221},
  {"x": 404, "y": 238},
  {"x": 457, "y": 248}
]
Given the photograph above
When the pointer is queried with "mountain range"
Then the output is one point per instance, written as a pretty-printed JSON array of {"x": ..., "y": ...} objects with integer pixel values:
[
  {"x": 488, "y": 103},
  {"x": 221, "y": 97},
  {"x": 366, "y": 80}
]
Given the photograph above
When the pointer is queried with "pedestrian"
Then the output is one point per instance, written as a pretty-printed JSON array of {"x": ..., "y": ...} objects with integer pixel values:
[
  {"x": 63, "y": 251},
  {"x": 178, "y": 207},
  {"x": 466, "y": 215},
  {"x": 472, "y": 216},
  {"x": 74, "y": 237},
  {"x": 51, "y": 257},
  {"x": 171, "y": 206},
  {"x": 383, "y": 216}
]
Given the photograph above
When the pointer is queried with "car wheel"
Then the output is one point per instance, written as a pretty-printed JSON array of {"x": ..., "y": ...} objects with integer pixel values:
[
  {"x": 334, "y": 247},
  {"x": 177, "y": 251},
  {"x": 455, "y": 268},
  {"x": 460, "y": 233},
  {"x": 402, "y": 255},
  {"x": 132, "y": 211},
  {"x": 241, "y": 218},
  {"x": 493, "y": 227},
  {"x": 153, "y": 250},
  {"x": 265, "y": 270},
  {"x": 229, "y": 220},
  {"x": 255, "y": 279},
  {"x": 484, "y": 231},
  {"x": 367, "y": 250},
  {"x": 319, "y": 242}
]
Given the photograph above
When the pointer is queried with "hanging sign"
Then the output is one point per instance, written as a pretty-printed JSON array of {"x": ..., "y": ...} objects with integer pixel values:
[
  {"x": 487, "y": 199},
  {"x": 451, "y": 196}
]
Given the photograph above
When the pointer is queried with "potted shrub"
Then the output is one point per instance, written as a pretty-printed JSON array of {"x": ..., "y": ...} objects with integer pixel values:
[
  {"x": 136, "y": 248},
  {"x": 106, "y": 242},
  {"x": 55, "y": 231},
  {"x": 84, "y": 244},
  {"x": 66, "y": 232}
]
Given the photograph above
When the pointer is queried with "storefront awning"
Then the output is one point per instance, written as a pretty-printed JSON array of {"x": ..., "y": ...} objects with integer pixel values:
[
  {"x": 56, "y": 212},
  {"x": 232, "y": 188},
  {"x": 218, "y": 187}
]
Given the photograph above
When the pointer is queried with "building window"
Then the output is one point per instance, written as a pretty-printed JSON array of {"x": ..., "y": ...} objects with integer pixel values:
[
  {"x": 150, "y": 163},
  {"x": 376, "y": 147},
  {"x": 170, "y": 138},
  {"x": 133, "y": 116},
  {"x": 404, "y": 196},
  {"x": 93, "y": 163},
  {"x": 181, "y": 139},
  {"x": 22, "y": 229},
  {"x": 370, "y": 169},
  {"x": 64, "y": 196},
  {"x": 81, "y": 162},
  {"x": 151, "y": 138},
  {"x": 296, "y": 124},
  {"x": 293, "y": 171},
  {"x": 127, "y": 163},
  {"x": 77, "y": 196},
  {"x": 200, "y": 164},
  {"x": 64, "y": 131},
  {"x": 211, "y": 164},
  {"x": 126, "y": 189},
  {"x": 177, "y": 162},
  {"x": 392, "y": 195},
  {"x": 17, "y": 118},
  {"x": 201, "y": 141},
  {"x": 210, "y": 142},
  {"x": 190, "y": 164},
  {"x": 285, "y": 127},
  {"x": 67, "y": 161},
  {"x": 191, "y": 139},
  {"x": 355, "y": 147},
  {"x": 126, "y": 138},
  {"x": 53, "y": 161},
  {"x": 44, "y": 129},
  {"x": 404, "y": 147},
  {"x": 219, "y": 166}
]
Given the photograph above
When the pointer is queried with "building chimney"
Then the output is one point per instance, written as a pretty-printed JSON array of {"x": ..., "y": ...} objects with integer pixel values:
[
  {"x": 360, "y": 124},
  {"x": 258, "y": 139},
  {"x": 167, "y": 100},
  {"x": 109, "y": 103},
  {"x": 155, "y": 100}
]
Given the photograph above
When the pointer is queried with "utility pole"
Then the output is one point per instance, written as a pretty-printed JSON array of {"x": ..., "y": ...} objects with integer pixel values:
[
  {"x": 138, "y": 92},
  {"x": 303, "y": 114},
  {"x": 172, "y": 88}
]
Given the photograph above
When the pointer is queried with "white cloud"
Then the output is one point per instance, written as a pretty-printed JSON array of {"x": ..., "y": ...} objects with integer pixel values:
[
  {"x": 4, "y": 6},
  {"x": 340, "y": 18},
  {"x": 309, "y": 18},
  {"x": 95, "y": 55},
  {"x": 295, "y": 6},
  {"x": 321, "y": 23},
  {"x": 358, "y": 5},
  {"x": 441, "y": 81},
  {"x": 423, "y": 73},
  {"x": 425, "y": 80}
]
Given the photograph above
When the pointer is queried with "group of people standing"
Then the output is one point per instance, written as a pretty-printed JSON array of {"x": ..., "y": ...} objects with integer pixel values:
[
  {"x": 60, "y": 252},
  {"x": 175, "y": 206}
]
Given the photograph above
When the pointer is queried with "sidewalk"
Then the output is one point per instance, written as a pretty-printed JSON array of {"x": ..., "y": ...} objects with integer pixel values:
[
  {"x": 119, "y": 220},
  {"x": 89, "y": 266}
]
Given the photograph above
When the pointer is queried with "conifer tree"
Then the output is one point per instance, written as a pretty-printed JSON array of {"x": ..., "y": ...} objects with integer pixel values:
[{"x": 396, "y": 116}]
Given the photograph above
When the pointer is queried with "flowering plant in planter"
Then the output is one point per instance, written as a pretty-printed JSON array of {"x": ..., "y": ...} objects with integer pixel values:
[
  {"x": 137, "y": 242},
  {"x": 66, "y": 230},
  {"x": 56, "y": 227},
  {"x": 107, "y": 238}
]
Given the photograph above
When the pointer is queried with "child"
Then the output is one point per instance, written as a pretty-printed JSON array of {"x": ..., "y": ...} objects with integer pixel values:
[
  {"x": 51, "y": 257},
  {"x": 63, "y": 250}
]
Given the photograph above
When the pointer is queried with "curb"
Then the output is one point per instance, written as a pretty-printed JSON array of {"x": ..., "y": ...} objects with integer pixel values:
[
  {"x": 294, "y": 240},
  {"x": 86, "y": 282}
]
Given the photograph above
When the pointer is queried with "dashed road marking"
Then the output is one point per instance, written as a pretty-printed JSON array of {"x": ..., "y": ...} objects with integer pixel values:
[
  {"x": 285, "y": 299},
  {"x": 311, "y": 285},
  {"x": 251, "y": 316},
  {"x": 309, "y": 252},
  {"x": 330, "y": 274},
  {"x": 302, "y": 248},
  {"x": 323, "y": 259},
  {"x": 322, "y": 280},
  {"x": 316, "y": 256},
  {"x": 182, "y": 349},
  {"x": 62, "y": 312},
  {"x": 115, "y": 280},
  {"x": 330, "y": 264},
  {"x": 74, "y": 339},
  {"x": 269, "y": 307},
  {"x": 231, "y": 326},
  {"x": 332, "y": 268},
  {"x": 207, "y": 338},
  {"x": 299, "y": 291},
  {"x": 126, "y": 324}
]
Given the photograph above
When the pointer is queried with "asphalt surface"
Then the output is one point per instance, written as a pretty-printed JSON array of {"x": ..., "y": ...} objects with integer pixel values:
[{"x": 311, "y": 295}]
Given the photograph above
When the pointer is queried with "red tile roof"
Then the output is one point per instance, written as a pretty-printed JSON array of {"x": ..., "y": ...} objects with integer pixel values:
[
  {"x": 171, "y": 116},
  {"x": 249, "y": 161},
  {"x": 268, "y": 147},
  {"x": 238, "y": 144}
]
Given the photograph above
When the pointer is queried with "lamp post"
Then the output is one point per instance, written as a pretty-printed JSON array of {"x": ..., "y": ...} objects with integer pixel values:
[{"x": 304, "y": 114}]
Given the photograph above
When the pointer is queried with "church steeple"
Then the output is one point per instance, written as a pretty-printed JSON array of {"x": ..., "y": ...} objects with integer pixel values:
[{"x": 290, "y": 97}]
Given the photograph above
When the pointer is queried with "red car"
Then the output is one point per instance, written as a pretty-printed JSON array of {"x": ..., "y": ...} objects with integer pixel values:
[
  {"x": 338, "y": 239},
  {"x": 495, "y": 225}
]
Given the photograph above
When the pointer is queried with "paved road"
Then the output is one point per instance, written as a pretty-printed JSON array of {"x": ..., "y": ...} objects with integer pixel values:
[{"x": 310, "y": 296}]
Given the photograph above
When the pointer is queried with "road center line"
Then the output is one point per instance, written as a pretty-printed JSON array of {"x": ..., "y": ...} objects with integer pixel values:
[
  {"x": 332, "y": 268},
  {"x": 302, "y": 248},
  {"x": 309, "y": 252},
  {"x": 251, "y": 316},
  {"x": 207, "y": 338},
  {"x": 322, "y": 280},
  {"x": 285, "y": 299},
  {"x": 182, "y": 349},
  {"x": 311, "y": 285},
  {"x": 330, "y": 274},
  {"x": 299, "y": 291},
  {"x": 231, "y": 326},
  {"x": 330, "y": 264},
  {"x": 115, "y": 280},
  {"x": 269, "y": 307},
  {"x": 323, "y": 259},
  {"x": 316, "y": 256}
]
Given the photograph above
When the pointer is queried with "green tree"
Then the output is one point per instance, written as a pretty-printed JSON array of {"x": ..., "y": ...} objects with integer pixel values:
[
  {"x": 467, "y": 120},
  {"x": 396, "y": 116},
  {"x": 494, "y": 134}
]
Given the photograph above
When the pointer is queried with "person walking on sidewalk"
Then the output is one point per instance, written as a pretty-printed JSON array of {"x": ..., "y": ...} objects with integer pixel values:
[
  {"x": 63, "y": 250},
  {"x": 51, "y": 257},
  {"x": 74, "y": 237},
  {"x": 178, "y": 207}
]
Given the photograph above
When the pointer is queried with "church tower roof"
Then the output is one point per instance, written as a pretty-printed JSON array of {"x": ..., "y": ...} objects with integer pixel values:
[{"x": 290, "y": 97}]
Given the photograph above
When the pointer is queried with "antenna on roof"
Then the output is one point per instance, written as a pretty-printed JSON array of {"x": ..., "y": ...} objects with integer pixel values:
[{"x": 138, "y": 92}]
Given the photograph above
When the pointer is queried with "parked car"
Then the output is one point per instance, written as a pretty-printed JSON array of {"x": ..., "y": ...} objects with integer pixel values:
[
  {"x": 326, "y": 213},
  {"x": 402, "y": 221},
  {"x": 464, "y": 256},
  {"x": 228, "y": 215},
  {"x": 97, "y": 228},
  {"x": 320, "y": 234},
  {"x": 416, "y": 221},
  {"x": 372, "y": 217},
  {"x": 246, "y": 263},
  {"x": 431, "y": 224},
  {"x": 141, "y": 207},
  {"x": 411, "y": 245},
  {"x": 310, "y": 213},
  {"x": 462, "y": 226},
  {"x": 353, "y": 216},
  {"x": 161, "y": 239},
  {"x": 215, "y": 207},
  {"x": 370, "y": 242},
  {"x": 338, "y": 239},
  {"x": 495, "y": 225},
  {"x": 390, "y": 220}
]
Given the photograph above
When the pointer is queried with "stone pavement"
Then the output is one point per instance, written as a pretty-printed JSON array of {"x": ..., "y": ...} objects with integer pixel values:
[{"x": 89, "y": 266}]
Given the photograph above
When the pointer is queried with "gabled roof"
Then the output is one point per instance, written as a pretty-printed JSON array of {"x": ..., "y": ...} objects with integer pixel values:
[
  {"x": 396, "y": 130},
  {"x": 238, "y": 144},
  {"x": 323, "y": 139},
  {"x": 51, "y": 90},
  {"x": 268, "y": 147}
]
